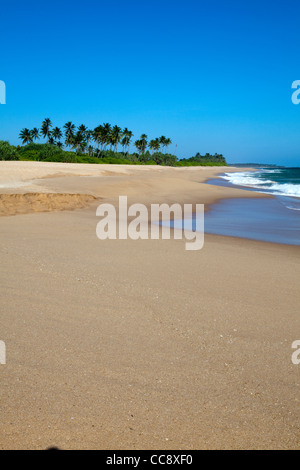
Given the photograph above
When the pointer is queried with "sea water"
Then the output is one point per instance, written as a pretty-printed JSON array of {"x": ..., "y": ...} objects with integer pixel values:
[{"x": 274, "y": 219}]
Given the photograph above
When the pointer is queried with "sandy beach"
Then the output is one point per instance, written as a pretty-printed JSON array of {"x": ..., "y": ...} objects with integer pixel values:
[{"x": 123, "y": 344}]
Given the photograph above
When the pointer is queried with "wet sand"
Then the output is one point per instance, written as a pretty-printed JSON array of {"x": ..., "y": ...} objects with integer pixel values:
[{"x": 123, "y": 344}]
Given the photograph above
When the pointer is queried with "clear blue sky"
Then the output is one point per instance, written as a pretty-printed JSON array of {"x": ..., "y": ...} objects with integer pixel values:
[{"x": 214, "y": 76}]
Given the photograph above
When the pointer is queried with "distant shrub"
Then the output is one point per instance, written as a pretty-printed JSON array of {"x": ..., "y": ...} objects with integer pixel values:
[
  {"x": 30, "y": 148},
  {"x": 41, "y": 152},
  {"x": 203, "y": 160},
  {"x": 116, "y": 161},
  {"x": 52, "y": 152},
  {"x": 85, "y": 159},
  {"x": 7, "y": 151},
  {"x": 29, "y": 155}
]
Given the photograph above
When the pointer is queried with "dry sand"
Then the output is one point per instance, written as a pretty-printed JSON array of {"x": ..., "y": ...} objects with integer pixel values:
[{"x": 124, "y": 344}]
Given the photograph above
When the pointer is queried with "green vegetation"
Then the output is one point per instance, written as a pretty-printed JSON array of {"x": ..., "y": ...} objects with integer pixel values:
[
  {"x": 7, "y": 152},
  {"x": 100, "y": 145},
  {"x": 204, "y": 160}
]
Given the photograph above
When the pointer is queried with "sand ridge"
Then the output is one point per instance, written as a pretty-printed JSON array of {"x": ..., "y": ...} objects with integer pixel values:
[{"x": 13, "y": 204}]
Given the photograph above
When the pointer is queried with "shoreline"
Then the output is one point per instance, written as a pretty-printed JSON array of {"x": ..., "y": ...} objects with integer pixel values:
[
  {"x": 87, "y": 180},
  {"x": 44, "y": 187}
]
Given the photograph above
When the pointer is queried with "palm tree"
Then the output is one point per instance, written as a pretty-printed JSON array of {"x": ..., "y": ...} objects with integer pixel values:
[
  {"x": 168, "y": 142},
  {"x": 88, "y": 136},
  {"x": 45, "y": 129},
  {"x": 162, "y": 141},
  {"x": 97, "y": 136},
  {"x": 115, "y": 136},
  {"x": 90, "y": 150},
  {"x": 144, "y": 142},
  {"x": 102, "y": 135},
  {"x": 82, "y": 146},
  {"x": 154, "y": 145},
  {"x": 59, "y": 145},
  {"x": 126, "y": 139},
  {"x": 78, "y": 142},
  {"x": 82, "y": 128},
  {"x": 124, "y": 143},
  {"x": 139, "y": 145},
  {"x": 26, "y": 136},
  {"x": 106, "y": 133},
  {"x": 56, "y": 133},
  {"x": 69, "y": 133},
  {"x": 35, "y": 133}
]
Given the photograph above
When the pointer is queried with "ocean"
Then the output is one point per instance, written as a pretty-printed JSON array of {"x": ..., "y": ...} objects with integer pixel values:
[
  {"x": 275, "y": 219},
  {"x": 280, "y": 182}
]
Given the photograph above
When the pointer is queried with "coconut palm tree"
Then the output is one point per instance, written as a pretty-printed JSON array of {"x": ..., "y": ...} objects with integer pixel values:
[
  {"x": 56, "y": 133},
  {"x": 127, "y": 136},
  {"x": 97, "y": 132},
  {"x": 90, "y": 150},
  {"x": 69, "y": 133},
  {"x": 45, "y": 129},
  {"x": 88, "y": 136},
  {"x": 106, "y": 133},
  {"x": 154, "y": 145},
  {"x": 26, "y": 136},
  {"x": 168, "y": 142},
  {"x": 125, "y": 143},
  {"x": 82, "y": 128},
  {"x": 102, "y": 135},
  {"x": 115, "y": 136},
  {"x": 144, "y": 142},
  {"x": 35, "y": 133},
  {"x": 82, "y": 146},
  {"x": 78, "y": 142},
  {"x": 139, "y": 144},
  {"x": 162, "y": 141}
]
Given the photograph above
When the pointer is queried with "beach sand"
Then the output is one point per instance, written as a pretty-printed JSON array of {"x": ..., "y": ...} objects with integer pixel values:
[{"x": 124, "y": 344}]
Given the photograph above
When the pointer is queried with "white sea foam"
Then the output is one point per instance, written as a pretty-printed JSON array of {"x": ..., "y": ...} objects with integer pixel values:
[
  {"x": 248, "y": 179},
  {"x": 293, "y": 208},
  {"x": 245, "y": 179},
  {"x": 272, "y": 171},
  {"x": 284, "y": 189}
]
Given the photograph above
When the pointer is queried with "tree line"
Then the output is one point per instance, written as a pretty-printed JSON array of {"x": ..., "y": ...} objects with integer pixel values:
[
  {"x": 81, "y": 138},
  {"x": 217, "y": 158},
  {"x": 73, "y": 144}
]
